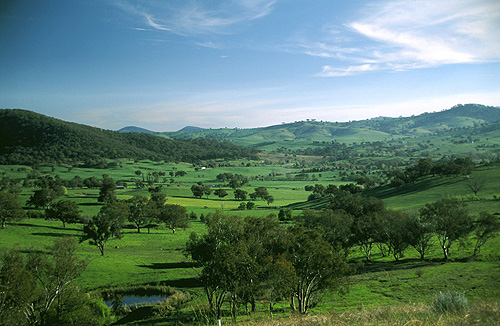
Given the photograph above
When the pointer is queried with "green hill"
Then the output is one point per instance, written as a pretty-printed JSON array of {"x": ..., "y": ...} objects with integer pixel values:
[
  {"x": 30, "y": 138},
  {"x": 377, "y": 129}
]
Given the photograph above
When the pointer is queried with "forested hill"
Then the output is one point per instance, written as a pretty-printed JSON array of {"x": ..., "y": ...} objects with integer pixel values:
[
  {"x": 377, "y": 129},
  {"x": 27, "y": 138}
]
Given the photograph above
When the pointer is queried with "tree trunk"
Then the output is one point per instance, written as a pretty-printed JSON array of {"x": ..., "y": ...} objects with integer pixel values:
[
  {"x": 138, "y": 229},
  {"x": 292, "y": 303},
  {"x": 3, "y": 224}
]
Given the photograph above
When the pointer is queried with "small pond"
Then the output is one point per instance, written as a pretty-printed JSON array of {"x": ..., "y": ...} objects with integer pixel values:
[{"x": 128, "y": 300}]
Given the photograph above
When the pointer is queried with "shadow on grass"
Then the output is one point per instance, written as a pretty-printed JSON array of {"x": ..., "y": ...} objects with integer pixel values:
[
  {"x": 48, "y": 227},
  {"x": 52, "y": 234},
  {"x": 373, "y": 267},
  {"x": 90, "y": 204},
  {"x": 170, "y": 265}
]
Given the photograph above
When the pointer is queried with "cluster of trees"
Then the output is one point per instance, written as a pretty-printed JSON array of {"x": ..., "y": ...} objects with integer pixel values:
[
  {"x": 38, "y": 289},
  {"x": 233, "y": 180},
  {"x": 27, "y": 137},
  {"x": 248, "y": 259},
  {"x": 363, "y": 222},
  {"x": 200, "y": 189},
  {"x": 426, "y": 167},
  {"x": 139, "y": 211}
]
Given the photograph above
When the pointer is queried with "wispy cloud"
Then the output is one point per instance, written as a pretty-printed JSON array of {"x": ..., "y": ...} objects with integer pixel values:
[
  {"x": 195, "y": 16},
  {"x": 402, "y": 35},
  {"x": 329, "y": 71}
]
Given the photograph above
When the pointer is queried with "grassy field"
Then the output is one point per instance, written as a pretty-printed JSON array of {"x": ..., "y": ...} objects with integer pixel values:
[{"x": 158, "y": 258}]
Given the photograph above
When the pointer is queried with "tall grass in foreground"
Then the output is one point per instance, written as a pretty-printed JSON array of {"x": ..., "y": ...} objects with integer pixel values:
[{"x": 482, "y": 313}]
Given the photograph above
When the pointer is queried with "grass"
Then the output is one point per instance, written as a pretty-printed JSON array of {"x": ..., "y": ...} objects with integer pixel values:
[{"x": 382, "y": 292}]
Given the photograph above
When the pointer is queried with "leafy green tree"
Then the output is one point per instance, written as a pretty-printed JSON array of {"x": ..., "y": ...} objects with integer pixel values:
[
  {"x": 221, "y": 193},
  {"x": 107, "y": 224},
  {"x": 67, "y": 211},
  {"x": 487, "y": 227},
  {"x": 395, "y": 226},
  {"x": 197, "y": 190},
  {"x": 450, "y": 221},
  {"x": 334, "y": 225},
  {"x": 139, "y": 212},
  {"x": 279, "y": 280},
  {"x": 10, "y": 209},
  {"x": 317, "y": 265},
  {"x": 17, "y": 288},
  {"x": 53, "y": 277},
  {"x": 42, "y": 198},
  {"x": 107, "y": 191},
  {"x": 250, "y": 205},
  {"x": 174, "y": 216},
  {"x": 420, "y": 235},
  {"x": 240, "y": 194},
  {"x": 261, "y": 192}
]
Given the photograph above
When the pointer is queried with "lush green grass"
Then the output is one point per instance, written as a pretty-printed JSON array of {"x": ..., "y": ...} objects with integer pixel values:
[{"x": 157, "y": 258}]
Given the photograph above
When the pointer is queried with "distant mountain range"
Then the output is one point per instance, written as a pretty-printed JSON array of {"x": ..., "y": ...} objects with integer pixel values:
[{"x": 376, "y": 129}]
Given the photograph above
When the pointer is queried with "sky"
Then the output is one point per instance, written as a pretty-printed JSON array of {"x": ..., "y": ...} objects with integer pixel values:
[{"x": 166, "y": 64}]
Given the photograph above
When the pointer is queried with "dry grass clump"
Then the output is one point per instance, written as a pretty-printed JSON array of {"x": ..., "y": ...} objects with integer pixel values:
[{"x": 483, "y": 313}]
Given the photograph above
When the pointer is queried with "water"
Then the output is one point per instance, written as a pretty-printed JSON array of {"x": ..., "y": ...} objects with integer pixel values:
[{"x": 136, "y": 299}]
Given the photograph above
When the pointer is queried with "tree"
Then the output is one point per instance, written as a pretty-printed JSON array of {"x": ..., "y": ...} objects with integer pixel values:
[
  {"x": 209, "y": 251},
  {"x": 487, "y": 227},
  {"x": 67, "y": 211},
  {"x": 395, "y": 226},
  {"x": 42, "y": 198},
  {"x": 197, "y": 190},
  {"x": 139, "y": 212},
  {"x": 269, "y": 199},
  {"x": 221, "y": 193},
  {"x": 279, "y": 280},
  {"x": 450, "y": 221},
  {"x": 335, "y": 226},
  {"x": 261, "y": 192},
  {"x": 174, "y": 216},
  {"x": 10, "y": 209},
  {"x": 475, "y": 184},
  {"x": 17, "y": 288},
  {"x": 107, "y": 191},
  {"x": 53, "y": 277},
  {"x": 40, "y": 289},
  {"x": 107, "y": 224},
  {"x": 240, "y": 194},
  {"x": 420, "y": 235},
  {"x": 317, "y": 265}
]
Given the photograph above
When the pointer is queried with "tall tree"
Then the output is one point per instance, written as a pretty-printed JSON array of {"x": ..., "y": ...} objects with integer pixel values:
[
  {"x": 107, "y": 190},
  {"x": 174, "y": 216},
  {"x": 450, "y": 221},
  {"x": 42, "y": 198},
  {"x": 487, "y": 226},
  {"x": 10, "y": 209},
  {"x": 139, "y": 212},
  {"x": 316, "y": 264},
  {"x": 67, "y": 211},
  {"x": 53, "y": 277},
  {"x": 107, "y": 224}
]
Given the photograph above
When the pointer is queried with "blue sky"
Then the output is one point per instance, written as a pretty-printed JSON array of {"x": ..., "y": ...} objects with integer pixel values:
[{"x": 163, "y": 65}]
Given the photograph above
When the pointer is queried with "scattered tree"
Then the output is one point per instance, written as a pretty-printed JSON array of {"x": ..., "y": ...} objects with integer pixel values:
[
  {"x": 67, "y": 211},
  {"x": 107, "y": 224},
  {"x": 487, "y": 226},
  {"x": 10, "y": 209}
]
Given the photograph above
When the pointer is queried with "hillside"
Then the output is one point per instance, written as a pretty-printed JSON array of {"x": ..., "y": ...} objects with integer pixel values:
[
  {"x": 378, "y": 129},
  {"x": 30, "y": 138},
  {"x": 136, "y": 129}
]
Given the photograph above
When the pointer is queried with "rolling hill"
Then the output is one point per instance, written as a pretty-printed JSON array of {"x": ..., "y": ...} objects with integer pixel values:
[
  {"x": 30, "y": 138},
  {"x": 377, "y": 129}
]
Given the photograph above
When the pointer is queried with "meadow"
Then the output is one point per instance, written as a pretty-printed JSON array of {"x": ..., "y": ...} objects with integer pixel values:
[{"x": 158, "y": 258}]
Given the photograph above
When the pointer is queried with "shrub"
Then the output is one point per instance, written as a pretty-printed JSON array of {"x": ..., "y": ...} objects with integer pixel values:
[{"x": 450, "y": 302}]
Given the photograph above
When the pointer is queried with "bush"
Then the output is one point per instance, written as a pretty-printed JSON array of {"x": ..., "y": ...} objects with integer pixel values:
[{"x": 450, "y": 302}]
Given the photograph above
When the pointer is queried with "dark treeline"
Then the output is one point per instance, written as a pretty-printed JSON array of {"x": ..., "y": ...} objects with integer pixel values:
[{"x": 31, "y": 138}]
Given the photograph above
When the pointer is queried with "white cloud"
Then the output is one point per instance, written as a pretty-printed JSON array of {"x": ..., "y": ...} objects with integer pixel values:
[
  {"x": 401, "y": 35},
  {"x": 329, "y": 71},
  {"x": 196, "y": 17}
]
